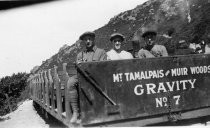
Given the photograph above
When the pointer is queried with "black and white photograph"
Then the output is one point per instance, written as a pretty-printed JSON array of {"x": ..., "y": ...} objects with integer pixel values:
[{"x": 104, "y": 63}]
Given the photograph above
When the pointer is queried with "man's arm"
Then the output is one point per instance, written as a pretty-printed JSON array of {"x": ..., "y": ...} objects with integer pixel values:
[
  {"x": 145, "y": 54},
  {"x": 164, "y": 51},
  {"x": 103, "y": 56}
]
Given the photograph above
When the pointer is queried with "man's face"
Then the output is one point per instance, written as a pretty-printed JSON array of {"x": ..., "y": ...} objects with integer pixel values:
[
  {"x": 149, "y": 39},
  {"x": 117, "y": 42},
  {"x": 89, "y": 41}
]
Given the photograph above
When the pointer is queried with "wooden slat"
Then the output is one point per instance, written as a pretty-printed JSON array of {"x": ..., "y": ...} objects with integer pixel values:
[
  {"x": 47, "y": 89},
  {"x": 62, "y": 82},
  {"x": 67, "y": 99},
  {"x": 51, "y": 85},
  {"x": 34, "y": 87},
  {"x": 42, "y": 88},
  {"x": 58, "y": 91},
  {"x": 54, "y": 102},
  {"x": 31, "y": 87},
  {"x": 38, "y": 87}
]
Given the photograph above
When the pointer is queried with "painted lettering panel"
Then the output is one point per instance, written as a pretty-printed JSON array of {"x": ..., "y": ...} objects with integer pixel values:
[{"x": 136, "y": 88}]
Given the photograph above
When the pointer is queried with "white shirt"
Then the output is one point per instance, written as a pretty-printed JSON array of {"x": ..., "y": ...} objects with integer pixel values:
[
  {"x": 207, "y": 49},
  {"x": 113, "y": 55}
]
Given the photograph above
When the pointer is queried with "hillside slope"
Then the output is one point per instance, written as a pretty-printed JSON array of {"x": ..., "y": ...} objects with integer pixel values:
[{"x": 189, "y": 20}]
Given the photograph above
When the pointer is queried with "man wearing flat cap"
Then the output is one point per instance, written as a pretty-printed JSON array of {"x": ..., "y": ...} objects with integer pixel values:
[
  {"x": 117, "y": 52},
  {"x": 91, "y": 53},
  {"x": 151, "y": 49}
]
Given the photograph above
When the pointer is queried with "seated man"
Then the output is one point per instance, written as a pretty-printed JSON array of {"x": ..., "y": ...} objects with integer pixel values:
[
  {"x": 91, "y": 53},
  {"x": 151, "y": 49},
  {"x": 117, "y": 53}
]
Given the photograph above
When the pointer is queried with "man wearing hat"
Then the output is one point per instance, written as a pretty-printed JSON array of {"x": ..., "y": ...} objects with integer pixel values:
[
  {"x": 117, "y": 53},
  {"x": 151, "y": 49},
  {"x": 91, "y": 53}
]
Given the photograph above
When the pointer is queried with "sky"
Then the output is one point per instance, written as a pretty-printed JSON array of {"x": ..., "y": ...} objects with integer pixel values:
[{"x": 32, "y": 34}]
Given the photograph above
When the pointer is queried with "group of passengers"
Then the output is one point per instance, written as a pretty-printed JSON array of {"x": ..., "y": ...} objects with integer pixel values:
[{"x": 93, "y": 53}]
